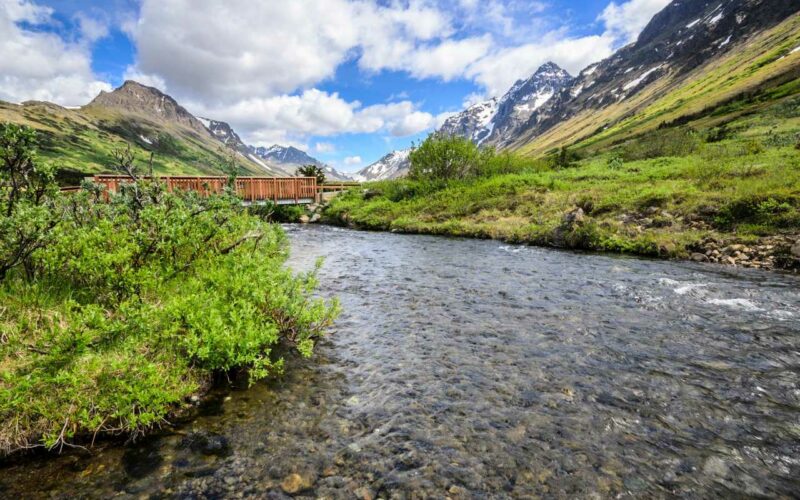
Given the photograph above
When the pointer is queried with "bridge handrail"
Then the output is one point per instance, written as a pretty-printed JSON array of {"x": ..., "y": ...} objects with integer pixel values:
[{"x": 250, "y": 189}]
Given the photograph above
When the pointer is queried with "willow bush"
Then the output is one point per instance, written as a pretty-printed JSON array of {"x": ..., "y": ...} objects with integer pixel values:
[{"x": 115, "y": 308}]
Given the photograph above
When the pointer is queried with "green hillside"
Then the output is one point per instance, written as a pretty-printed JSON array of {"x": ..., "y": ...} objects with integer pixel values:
[
  {"x": 80, "y": 141},
  {"x": 752, "y": 75}
]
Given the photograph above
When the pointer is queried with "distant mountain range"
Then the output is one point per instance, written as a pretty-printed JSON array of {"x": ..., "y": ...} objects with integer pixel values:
[
  {"x": 497, "y": 122},
  {"x": 493, "y": 122},
  {"x": 287, "y": 159},
  {"x": 81, "y": 140}
]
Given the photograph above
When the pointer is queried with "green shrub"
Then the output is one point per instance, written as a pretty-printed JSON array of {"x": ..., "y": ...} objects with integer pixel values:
[
  {"x": 678, "y": 141},
  {"x": 443, "y": 156},
  {"x": 312, "y": 171},
  {"x": 125, "y": 308},
  {"x": 761, "y": 211}
]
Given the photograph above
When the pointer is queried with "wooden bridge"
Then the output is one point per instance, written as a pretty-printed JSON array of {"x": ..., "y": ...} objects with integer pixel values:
[{"x": 252, "y": 190}]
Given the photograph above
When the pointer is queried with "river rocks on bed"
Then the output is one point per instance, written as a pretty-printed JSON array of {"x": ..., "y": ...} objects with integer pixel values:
[
  {"x": 770, "y": 252},
  {"x": 207, "y": 443},
  {"x": 700, "y": 257},
  {"x": 295, "y": 483}
]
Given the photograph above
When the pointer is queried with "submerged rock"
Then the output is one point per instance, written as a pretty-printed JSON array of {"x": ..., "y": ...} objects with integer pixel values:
[
  {"x": 208, "y": 443},
  {"x": 295, "y": 483}
]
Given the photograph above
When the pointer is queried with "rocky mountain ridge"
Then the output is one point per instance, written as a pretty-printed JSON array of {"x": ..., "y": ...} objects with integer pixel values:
[
  {"x": 497, "y": 121},
  {"x": 133, "y": 97},
  {"x": 391, "y": 166},
  {"x": 681, "y": 37}
]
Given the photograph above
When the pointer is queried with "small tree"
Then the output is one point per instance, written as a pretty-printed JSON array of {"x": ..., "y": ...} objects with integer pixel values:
[
  {"x": 444, "y": 156},
  {"x": 25, "y": 187},
  {"x": 312, "y": 171}
]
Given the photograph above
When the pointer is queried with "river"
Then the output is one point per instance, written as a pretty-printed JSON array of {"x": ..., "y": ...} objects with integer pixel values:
[{"x": 466, "y": 369}]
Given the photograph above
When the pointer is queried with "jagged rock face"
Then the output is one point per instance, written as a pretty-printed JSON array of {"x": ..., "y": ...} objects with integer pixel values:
[
  {"x": 681, "y": 37},
  {"x": 391, "y": 166},
  {"x": 286, "y": 155},
  {"x": 290, "y": 159},
  {"x": 525, "y": 97},
  {"x": 133, "y": 97},
  {"x": 223, "y": 132},
  {"x": 497, "y": 121},
  {"x": 474, "y": 123}
]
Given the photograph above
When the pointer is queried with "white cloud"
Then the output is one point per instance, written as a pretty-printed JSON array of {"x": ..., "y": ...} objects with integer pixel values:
[
  {"x": 92, "y": 28},
  {"x": 448, "y": 59},
  {"x": 324, "y": 147},
  {"x": 240, "y": 49},
  {"x": 40, "y": 65},
  {"x": 624, "y": 22},
  {"x": 353, "y": 161},
  {"x": 499, "y": 72},
  {"x": 316, "y": 113}
]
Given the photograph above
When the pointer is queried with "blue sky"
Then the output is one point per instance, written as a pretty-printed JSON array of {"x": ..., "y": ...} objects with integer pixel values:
[{"x": 347, "y": 80}]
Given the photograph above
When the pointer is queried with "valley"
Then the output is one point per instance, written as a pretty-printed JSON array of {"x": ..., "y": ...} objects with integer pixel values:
[{"x": 573, "y": 270}]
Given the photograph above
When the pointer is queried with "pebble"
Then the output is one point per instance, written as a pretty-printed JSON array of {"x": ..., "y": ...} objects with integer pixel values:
[{"x": 295, "y": 483}]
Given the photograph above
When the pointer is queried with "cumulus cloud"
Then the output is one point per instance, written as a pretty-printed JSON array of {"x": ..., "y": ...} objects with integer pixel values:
[
  {"x": 40, "y": 65},
  {"x": 622, "y": 24},
  {"x": 625, "y": 21},
  {"x": 317, "y": 113},
  {"x": 353, "y": 161},
  {"x": 239, "y": 49},
  {"x": 324, "y": 147},
  {"x": 448, "y": 59}
]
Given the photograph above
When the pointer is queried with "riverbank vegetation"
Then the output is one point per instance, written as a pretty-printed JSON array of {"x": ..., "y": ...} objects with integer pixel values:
[
  {"x": 683, "y": 190},
  {"x": 116, "y": 308}
]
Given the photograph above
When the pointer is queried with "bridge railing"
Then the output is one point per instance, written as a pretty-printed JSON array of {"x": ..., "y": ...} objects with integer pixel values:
[
  {"x": 279, "y": 190},
  {"x": 335, "y": 186}
]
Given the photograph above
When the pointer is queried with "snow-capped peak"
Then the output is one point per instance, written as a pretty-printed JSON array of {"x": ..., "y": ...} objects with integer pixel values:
[{"x": 495, "y": 120}]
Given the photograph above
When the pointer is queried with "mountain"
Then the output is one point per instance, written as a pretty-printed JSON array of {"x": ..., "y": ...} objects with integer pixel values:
[
  {"x": 223, "y": 132},
  {"x": 691, "y": 56},
  {"x": 81, "y": 141},
  {"x": 391, "y": 166},
  {"x": 284, "y": 160},
  {"x": 289, "y": 158},
  {"x": 498, "y": 121},
  {"x": 288, "y": 155},
  {"x": 135, "y": 98}
]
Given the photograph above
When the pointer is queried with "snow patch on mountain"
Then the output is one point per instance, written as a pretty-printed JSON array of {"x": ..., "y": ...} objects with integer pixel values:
[
  {"x": 391, "y": 166},
  {"x": 635, "y": 83},
  {"x": 497, "y": 121}
]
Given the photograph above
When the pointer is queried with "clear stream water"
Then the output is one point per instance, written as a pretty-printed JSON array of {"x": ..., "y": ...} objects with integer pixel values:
[{"x": 473, "y": 369}]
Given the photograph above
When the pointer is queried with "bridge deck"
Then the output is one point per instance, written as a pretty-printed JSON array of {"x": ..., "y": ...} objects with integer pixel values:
[{"x": 252, "y": 190}]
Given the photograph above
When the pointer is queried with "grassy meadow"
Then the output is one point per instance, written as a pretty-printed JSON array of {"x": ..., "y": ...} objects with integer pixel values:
[{"x": 731, "y": 177}]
